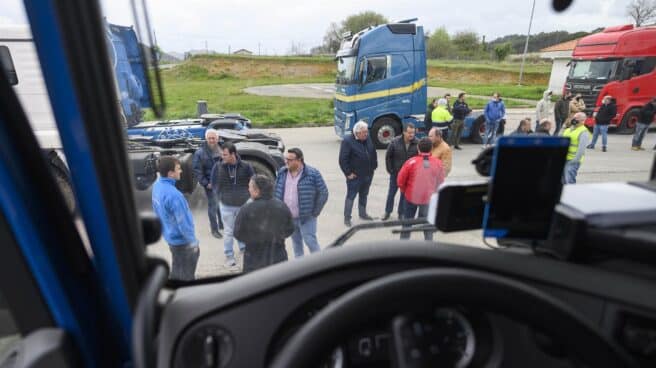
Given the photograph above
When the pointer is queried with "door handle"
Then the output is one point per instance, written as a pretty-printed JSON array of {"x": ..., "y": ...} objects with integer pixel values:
[{"x": 636, "y": 90}]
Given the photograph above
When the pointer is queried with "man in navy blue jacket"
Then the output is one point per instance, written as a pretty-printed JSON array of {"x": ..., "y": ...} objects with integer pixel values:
[
  {"x": 204, "y": 159},
  {"x": 358, "y": 161},
  {"x": 304, "y": 191},
  {"x": 177, "y": 222}
]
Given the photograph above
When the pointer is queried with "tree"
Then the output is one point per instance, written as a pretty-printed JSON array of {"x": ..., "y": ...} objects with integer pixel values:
[
  {"x": 466, "y": 44},
  {"x": 354, "y": 24},
  {"x": 358, "y": 22},
  {"x": 642, "y": 11},
  {"x": 439, "y": 44},
  {"x": 503, "y": 50},
  {"x": 332, "y": 38}
]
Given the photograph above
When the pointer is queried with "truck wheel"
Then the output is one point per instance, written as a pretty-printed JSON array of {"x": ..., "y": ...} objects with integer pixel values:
[
  {"x": 478, "y": 130},
  {"x": 261, "y": 168},
  {"x": 187, "y": 182},
  {"x": 629, "y": 122},
  {"x": 384, "y": 130},
  {"x": 66, "y": 189}
]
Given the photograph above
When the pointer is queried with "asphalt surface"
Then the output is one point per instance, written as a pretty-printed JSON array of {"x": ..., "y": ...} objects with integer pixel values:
[{"x": 321, "y": 147}]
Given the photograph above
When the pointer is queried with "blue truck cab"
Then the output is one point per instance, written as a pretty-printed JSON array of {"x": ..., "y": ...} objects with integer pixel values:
[{"x": 381, "y": 79}]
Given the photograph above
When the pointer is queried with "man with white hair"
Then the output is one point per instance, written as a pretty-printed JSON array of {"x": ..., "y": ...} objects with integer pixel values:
[
  {"x": 203, "y": 162},
  {"x": 358, "y": 161},
  {"x": 441, "y": 117},
  {"x": 579, "y": 137}
]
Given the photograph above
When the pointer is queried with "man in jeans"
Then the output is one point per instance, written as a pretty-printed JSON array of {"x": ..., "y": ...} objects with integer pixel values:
[
  {"x": 578, "y": 140},
  {"x": 302, "y": 188},
  {"x": 230, "y": 181},
  {"x": 358, "y": 161},
  {"x": 177, "y": 223},
  {"x": 418, "y": 179},
  {"x": 204, "y": 160},
  {"x": 495, "y": 110},
  {"x": 398, "y": 152},
  {"x": 606, "y": 113},
  {"x": 645, "y": 118}
]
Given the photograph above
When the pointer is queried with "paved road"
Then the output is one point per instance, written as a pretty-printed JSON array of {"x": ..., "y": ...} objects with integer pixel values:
[
  {"x": 327, "y": 90},
  {"x": 321, "y": 148}
]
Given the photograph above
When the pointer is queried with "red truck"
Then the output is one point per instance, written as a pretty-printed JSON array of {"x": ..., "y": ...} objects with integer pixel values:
[{"x": 619, "y": 61}]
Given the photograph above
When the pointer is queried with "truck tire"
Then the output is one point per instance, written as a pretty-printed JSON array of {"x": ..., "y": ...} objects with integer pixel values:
[
  {"x": 187, "y": 182},
  {"x": 261, "y": 168},
  {"x": 629, "y": 122},
  {"x": 478, "y": 130},
  {"x": 384, "y": 130},
  {"x": 66, "y": 189}
]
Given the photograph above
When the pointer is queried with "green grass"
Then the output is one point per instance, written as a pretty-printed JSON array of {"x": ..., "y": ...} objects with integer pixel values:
[
  {"x": 512, "y": 91},
  {"x": 479, "y": 103},
  {"x": 482, "y": 65}
]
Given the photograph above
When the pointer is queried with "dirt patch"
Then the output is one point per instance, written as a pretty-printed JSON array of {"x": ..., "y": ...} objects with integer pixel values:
[
  {"x": 437, "y": 74},
  {"x": 253, "y": 68}
]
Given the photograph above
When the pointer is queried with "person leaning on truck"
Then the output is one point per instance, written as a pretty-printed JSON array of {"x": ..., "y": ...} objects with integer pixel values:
[
  {"x": 428, "y": 118},
  {"x": 177, "y": 222},
  {"x": 460, "y": 111},
  {"x": 358, "y": 161},
  {"x": 645, "y": 118}
]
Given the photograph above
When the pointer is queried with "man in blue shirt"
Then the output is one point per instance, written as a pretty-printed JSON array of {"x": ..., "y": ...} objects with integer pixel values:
[
  {"x": 495, "y": 110},
  {"x": 177, "y": 223}
]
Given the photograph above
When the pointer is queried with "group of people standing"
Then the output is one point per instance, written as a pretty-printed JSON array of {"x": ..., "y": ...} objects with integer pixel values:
[
  {"x": 253, "y": 210},
  {"x": 415, "y": 167}
]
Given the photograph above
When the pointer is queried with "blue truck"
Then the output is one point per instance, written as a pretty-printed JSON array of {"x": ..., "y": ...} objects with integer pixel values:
[{"x": 381, "y": 80}]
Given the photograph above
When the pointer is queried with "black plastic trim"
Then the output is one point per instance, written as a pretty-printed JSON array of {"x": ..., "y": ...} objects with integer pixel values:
[{"x": 403, "y": 28}]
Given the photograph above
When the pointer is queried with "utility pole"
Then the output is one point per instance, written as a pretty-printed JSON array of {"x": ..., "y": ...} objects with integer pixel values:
[
  {"x": 259, "y": 49},
  {"x": 530, "y": 22},
  {"x": 228, "y": 49},
  {"x": 207, "y": 51}
]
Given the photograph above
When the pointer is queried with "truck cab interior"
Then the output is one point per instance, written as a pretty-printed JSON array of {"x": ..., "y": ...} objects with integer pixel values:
[{"x": 80, "y": 290}]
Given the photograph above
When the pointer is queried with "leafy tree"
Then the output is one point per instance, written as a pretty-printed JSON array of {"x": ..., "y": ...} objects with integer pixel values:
[
  {"x": 503, "y": 50},
  {"x": 439, "y": 44},
  {"x": 357, "y": 22},
  {"x": 332, "y": 38},
  {"x": 466, "y": 44}
]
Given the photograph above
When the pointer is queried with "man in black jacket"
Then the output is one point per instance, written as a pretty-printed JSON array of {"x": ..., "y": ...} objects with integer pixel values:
[
  {"x": 645, "y": 118},
  {"x": 358, "y": 161},
  {"x": 203, "y": 162},
  {"x": 460, "y": 111},
  {"x": 398, "y": 152},
  {"x": 263, "y": 225},
  {"x": 561, "y": 110},
  {"x": 230, "y": 184},
  {"x": 606, "y": 113},
  {"x": 428, "y": 118}
]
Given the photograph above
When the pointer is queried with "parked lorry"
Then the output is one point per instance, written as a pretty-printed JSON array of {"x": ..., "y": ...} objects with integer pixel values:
[
  {"x": 147, "y": 141},
  {"x": 381, "y": 80},
  {"x": 618, "y": 61}
]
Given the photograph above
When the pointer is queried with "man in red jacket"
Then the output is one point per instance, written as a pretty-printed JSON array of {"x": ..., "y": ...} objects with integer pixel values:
[{"x": 418, "y": 179}]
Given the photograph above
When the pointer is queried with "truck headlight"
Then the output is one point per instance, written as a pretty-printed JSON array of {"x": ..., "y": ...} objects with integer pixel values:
[{"x": 347, "y": 120}]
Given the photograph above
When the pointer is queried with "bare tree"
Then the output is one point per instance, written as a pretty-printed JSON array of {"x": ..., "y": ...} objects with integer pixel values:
[{"x": 642, "y": 11}]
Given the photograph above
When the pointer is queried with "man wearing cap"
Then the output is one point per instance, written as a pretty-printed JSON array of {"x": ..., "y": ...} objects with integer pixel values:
[{"x": 578, "y": 140}]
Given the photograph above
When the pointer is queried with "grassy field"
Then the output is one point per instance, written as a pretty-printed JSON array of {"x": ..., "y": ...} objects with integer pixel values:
[
  {"x": 220, "y": 81},
  {"x": 541, "y": 67}
]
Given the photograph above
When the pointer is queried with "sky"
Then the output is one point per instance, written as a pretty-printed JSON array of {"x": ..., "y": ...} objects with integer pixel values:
[{"x": 271, "y": 27}]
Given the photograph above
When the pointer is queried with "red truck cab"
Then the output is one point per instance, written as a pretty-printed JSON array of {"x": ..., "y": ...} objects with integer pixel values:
[{"x": 619, "y": 61}]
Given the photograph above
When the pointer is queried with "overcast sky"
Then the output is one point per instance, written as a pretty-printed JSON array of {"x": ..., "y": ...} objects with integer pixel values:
[{"x": 274, "y": 25}]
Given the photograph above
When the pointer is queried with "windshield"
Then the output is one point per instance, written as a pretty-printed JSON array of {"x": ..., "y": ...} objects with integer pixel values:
[
  {"x": 346, "y": 70},
  {"x": 281, "y": 82},
  {"x": 588, "y": 69}
]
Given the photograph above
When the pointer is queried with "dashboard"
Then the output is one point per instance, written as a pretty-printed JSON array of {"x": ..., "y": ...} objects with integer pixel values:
[{"x": 246, "y": 321}]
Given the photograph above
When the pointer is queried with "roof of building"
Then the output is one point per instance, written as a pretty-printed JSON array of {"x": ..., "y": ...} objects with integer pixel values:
[{"x": 564, "y": 46}]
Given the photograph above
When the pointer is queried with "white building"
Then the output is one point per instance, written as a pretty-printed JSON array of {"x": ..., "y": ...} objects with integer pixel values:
[{"x": 560, "y": 54}]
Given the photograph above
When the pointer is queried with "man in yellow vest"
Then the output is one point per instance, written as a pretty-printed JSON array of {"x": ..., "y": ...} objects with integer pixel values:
[
  {"x": 442, "y": 119},
  {"x": 579, "y": 137}
]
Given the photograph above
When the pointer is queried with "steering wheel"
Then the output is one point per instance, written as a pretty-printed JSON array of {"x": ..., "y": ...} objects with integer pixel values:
[{"x": 400, "y": 292}]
